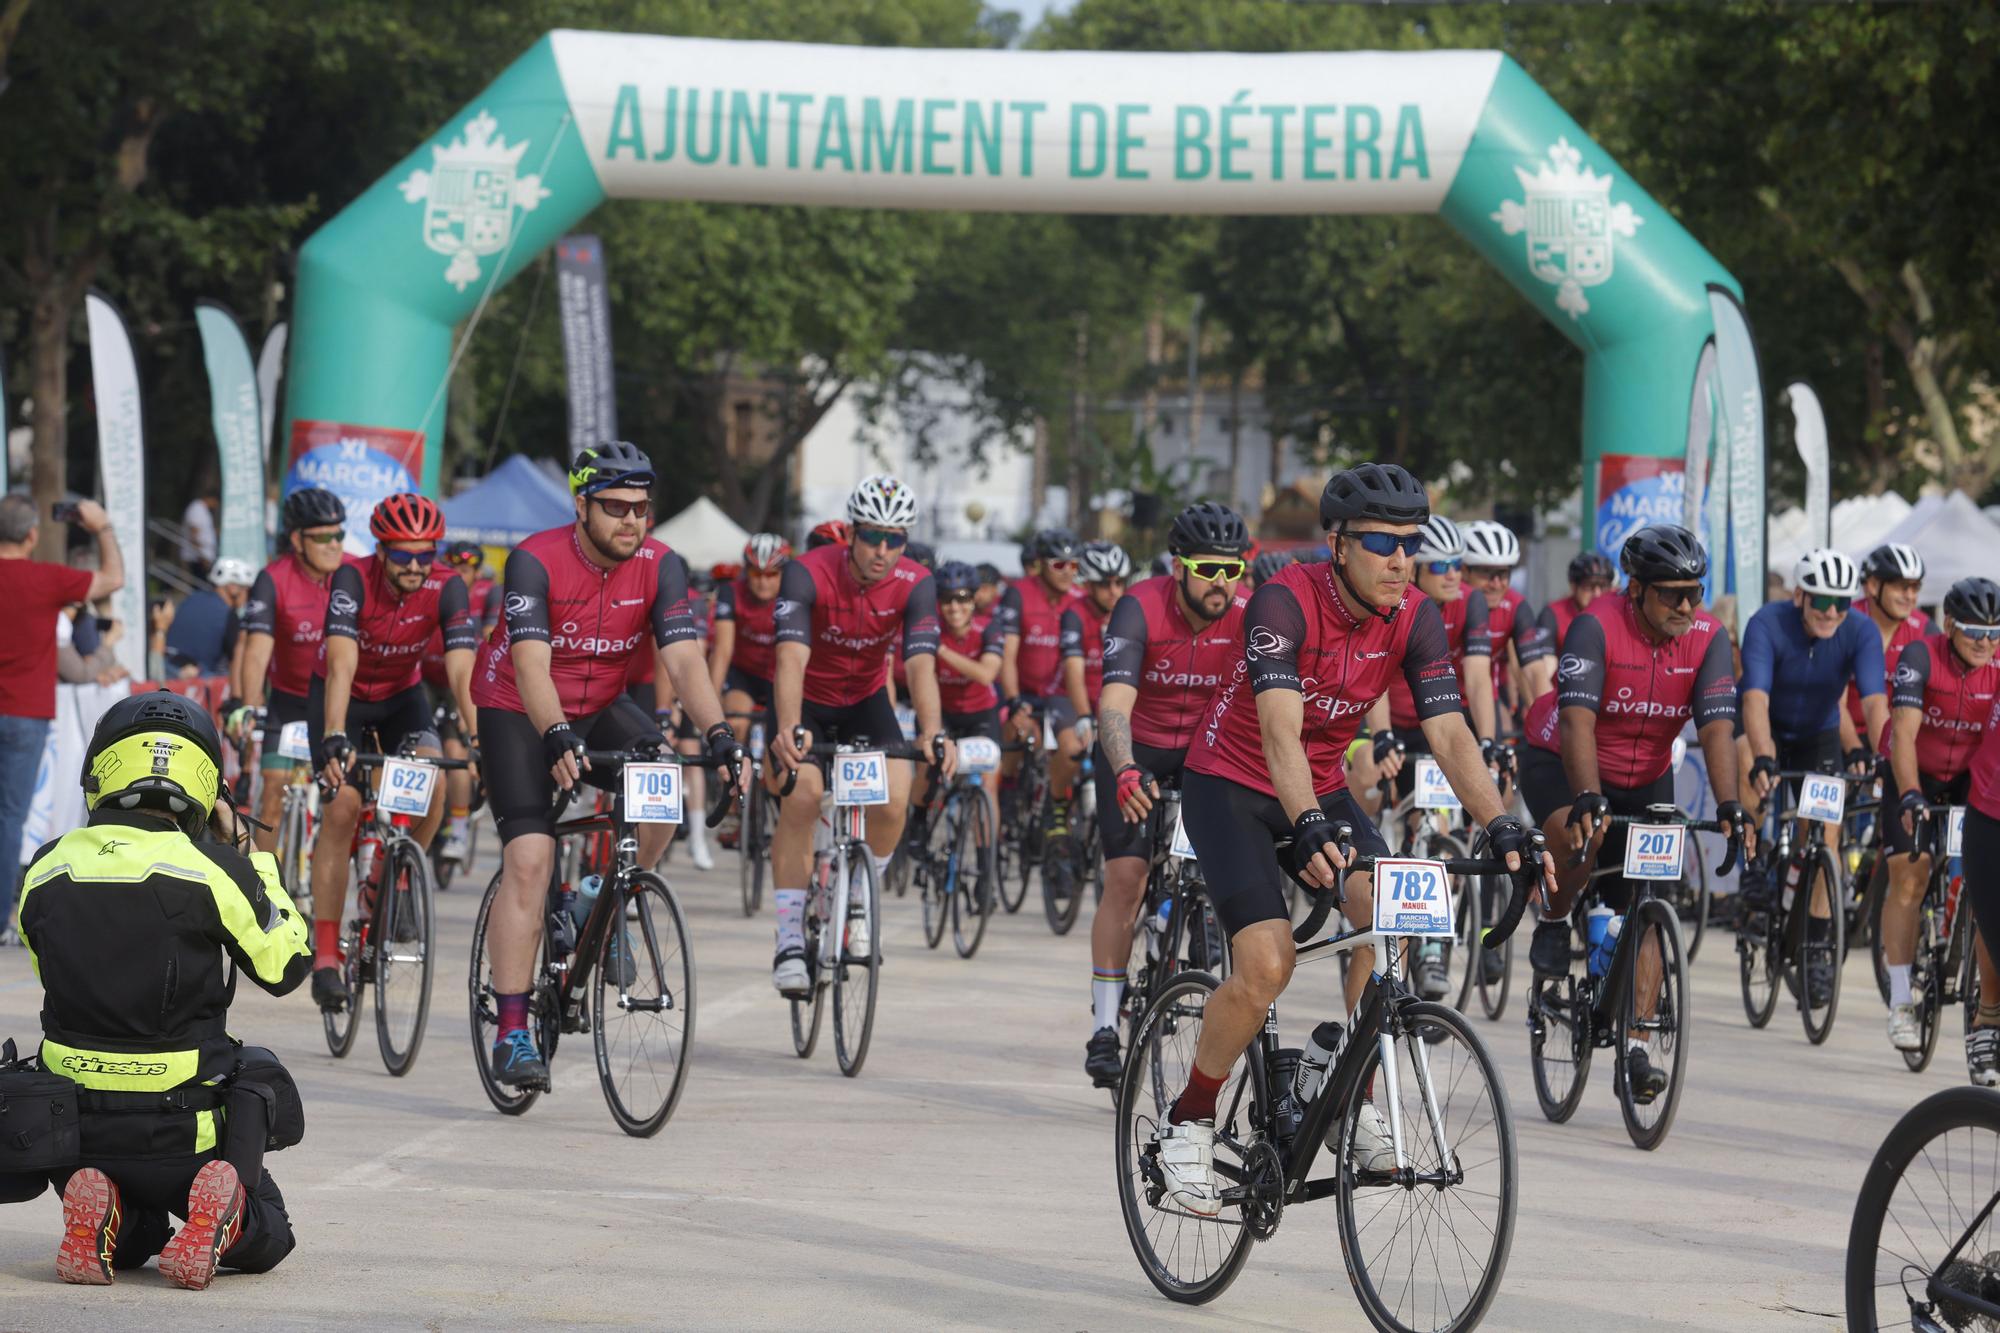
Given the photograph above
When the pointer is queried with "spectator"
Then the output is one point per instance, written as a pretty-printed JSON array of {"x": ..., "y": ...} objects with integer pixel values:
[
  {"x": 202, "y": 640},
  {"x": 36, "y": 595},
  {"x": 86, "y": 655},
  {"x": 159, "y": 619},
  {"x": 198, "y": 521}
]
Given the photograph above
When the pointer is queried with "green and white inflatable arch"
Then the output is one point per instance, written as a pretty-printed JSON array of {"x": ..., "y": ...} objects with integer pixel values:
[{"x": 1670, "y": 376}]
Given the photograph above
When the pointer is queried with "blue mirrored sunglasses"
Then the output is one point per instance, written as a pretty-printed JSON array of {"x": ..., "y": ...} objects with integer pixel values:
[
  {"x": 1387, "y": 543},
  {"x": 1443, "y": 566},
  {"x": 1980, "y": 633}
]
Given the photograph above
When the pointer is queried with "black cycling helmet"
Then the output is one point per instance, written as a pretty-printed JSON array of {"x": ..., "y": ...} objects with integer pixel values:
[
  {"x": 158, "y": 749},
  {"x": 923, "y": 553},
  {"x": 1268, "y": 564},
  {"x": 956, "y": 576},
  {"x": 989, "y": 574},
  {"x": 313, "y": 507},
  {"x": 1384, "y": 492},
  {"x": 1973, "y": 601},
  {"x": 1662, "y": 551},
  {"x": 1208, "y": 528},
  {"x": 611, "y": 464},
  {"x": 1590, "y": 567},
  {"x": 1056, "y": 544},
  {"x": 1894, "y": 562}
]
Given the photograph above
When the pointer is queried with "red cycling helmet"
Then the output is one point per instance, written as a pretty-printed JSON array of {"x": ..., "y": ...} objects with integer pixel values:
[
  {"x": 832, "y": 531},
  {"x": 407, "y": 517}
]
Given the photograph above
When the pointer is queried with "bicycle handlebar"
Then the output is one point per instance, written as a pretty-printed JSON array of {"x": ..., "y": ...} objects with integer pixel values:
[
  {"x": 718, "y": 804},
  {"x": 435, "y": 761},
  {"x": 828, "y": 749},
  {"x": 1729, "y": 859},
  {"x": 1325, "y": 900}
]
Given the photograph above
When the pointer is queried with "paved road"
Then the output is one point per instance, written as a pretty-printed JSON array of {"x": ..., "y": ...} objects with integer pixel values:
[{"x": 965, "y": 1179}]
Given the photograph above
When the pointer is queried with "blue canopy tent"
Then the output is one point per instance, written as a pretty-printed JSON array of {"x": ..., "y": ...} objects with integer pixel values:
[{"x": 513, "y": 502}]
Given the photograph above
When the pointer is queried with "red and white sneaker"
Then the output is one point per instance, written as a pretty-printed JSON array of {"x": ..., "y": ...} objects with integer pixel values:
[
  {"x": 91, "y": 1215},
  {"x": 214, "y": 1223}
]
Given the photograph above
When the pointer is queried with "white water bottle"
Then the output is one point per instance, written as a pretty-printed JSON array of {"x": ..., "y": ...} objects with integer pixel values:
[
  {"x": 1156, "y": 929},
  {"x": 1328, "y": 1039}
]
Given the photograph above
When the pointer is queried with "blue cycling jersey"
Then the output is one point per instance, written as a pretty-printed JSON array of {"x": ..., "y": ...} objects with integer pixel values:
[{"x": 1810, "y": 675}]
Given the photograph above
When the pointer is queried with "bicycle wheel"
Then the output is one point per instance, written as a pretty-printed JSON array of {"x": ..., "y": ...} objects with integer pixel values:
[
  {"x": 294, "y": 846},
  {"x": 1928, "y": 1192},
  {"x": 1429, "y": 1254},
  {"x": 1461, "y": 955},
  {"x": 1661, "y": 1029},
  {"x": 1559, "y": 1043},
  {"x": 485, "y": 1013},
  {"x": 1757, "y": 967},
  {"x": 1496, "y": 966},
  {"x": 935, "y": 877},
  {"x": 1927, "y": 994},
  {"x": 971, "y": 876},
  {"x": 442, "y": 866},
  {"x": 342, "y": 1025},
  {"x": 753, "y": 853},
  {"x": 1821, "y": 947},
  {"x": 1029, "y": 800},
  {"x": 1188, "y": 1258},
  {"x": 406, "y": 938},
  {"x": 856, "y": 975},
  {"x": 1878, "y": 961},
  {"x": 1062, "y": 885},
  {"x": 642, "y": 1006},
  {"x": 1694, "y": 899}
]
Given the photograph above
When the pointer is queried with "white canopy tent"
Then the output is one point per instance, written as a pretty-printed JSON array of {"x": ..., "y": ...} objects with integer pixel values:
[
  {"x": 704, "y": 535},
  {"x": 1860, "y": 524},
  {"x": 1955, "y": 538}
]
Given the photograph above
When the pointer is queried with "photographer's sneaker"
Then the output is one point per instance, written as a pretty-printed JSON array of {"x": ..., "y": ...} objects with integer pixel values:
[
  {"x": 91, "y": 1215},
  {"x": 214, "y": 1223}
]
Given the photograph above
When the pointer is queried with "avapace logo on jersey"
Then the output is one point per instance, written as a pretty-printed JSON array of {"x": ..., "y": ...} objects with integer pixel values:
[
  {"x": 570, "y": 640},
  {"x": 1264, "y": 642},
  {"x": 860, "y": 642},
  {"x": 1935, "y": 719},
  {"x": 1624, "y": 704},
  {"x": 1162, "y": 672},
  {"x": 1331, "y": 706}
]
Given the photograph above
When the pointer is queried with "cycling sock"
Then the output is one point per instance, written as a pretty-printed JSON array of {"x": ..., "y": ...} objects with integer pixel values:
[
  {"x": 326, "y": 944},
  {"x": 1989, "y": 1016},
  {"x": 1107, "y": 988},
  {"x": 1818, "y": 928},
  {"x": 513, "y": 1014},
  {"x": 881, "y": 868},
  {"x": 1899, "y": 984},
  {"x": 1635, "y": 1044},
  {"x": 1197, "y": 1101},
  {"x": 791, "y": 905}
]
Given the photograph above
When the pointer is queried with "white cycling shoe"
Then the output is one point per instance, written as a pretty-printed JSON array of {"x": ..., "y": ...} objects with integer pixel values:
[
  {"x": 1187, "y": 1163},
  {"x": 1373, "y": 1149},
  {"x": 789, "y": 976},
  {"x": 1904, "y": 1034},
  {"x": 698, "y": 851},
  {"x": 457, "y": 845}
]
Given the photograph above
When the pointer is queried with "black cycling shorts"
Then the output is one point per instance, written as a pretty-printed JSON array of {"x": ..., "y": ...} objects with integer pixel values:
[
  {"x": 280, "y": 710},
  {"x": 1982, "y": 875},
  {"x": 872, "y": 721},
  {"x": 1119, "y": 837},
  {"x": 518, "y": 786},
  {"x": 1817, "y": 753},
  {"x": 1235, "y": 830},
  {"x": 1414, "y": 743},
  {"x": 384, "y": 723},
  {"x": 756, "y": 687},
  {"x": 1546, "y": 789},
  {"x": 984, "y": 722},
  {"x": 1936, "y": 791}
]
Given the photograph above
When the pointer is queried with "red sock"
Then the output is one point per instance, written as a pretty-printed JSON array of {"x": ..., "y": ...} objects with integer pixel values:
[
  {"x": 513, "y": 1013},
  {"x": 326, "y": 944},
  {"x": 1197, "y": 1102}
]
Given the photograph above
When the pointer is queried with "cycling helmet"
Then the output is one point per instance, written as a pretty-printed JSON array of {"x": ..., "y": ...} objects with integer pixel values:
[
  {"x": 833, "y": 532},
  {"x": 989, "y": 575},
  {"x": 613, "y": 463},
  {"x": 1827, "y": 573},
  {"x": 1589, "y": 567},
  {"x": 1490, "y": 545},
  {"x": 1208, "y": 528},
  {"x": 1892, "y": 562},
  {"x": 723, "y": 572},
  {"x": 923, "y": 553},
  {"x": 233, "y": 572},
  {"x": 1056, "y": 544},
  {"x": 1441, "y": 539},
  {"x": 1101, "y": 561},
  {"x": 157, "y": 749},
  {"x": 1973, "y": 601},
  {"x": 882, "y": 501},
  {"x": 1162, "y": 566},
  {"x": 955, "y": 576},
  {"x": 313, "y": 507},
  {"x": 460, "y": 552},
  {"x": 766, "y": 551},
  {"x": 1662, "y": 551},
  {"x": 1381, "y": 491},
  {"x": 407, "y": 517},
  {"x": 1266, "y": 566}
]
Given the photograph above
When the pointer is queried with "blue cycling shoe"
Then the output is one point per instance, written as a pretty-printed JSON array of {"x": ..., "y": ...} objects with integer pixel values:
[{"x": 518, "y": 1064}]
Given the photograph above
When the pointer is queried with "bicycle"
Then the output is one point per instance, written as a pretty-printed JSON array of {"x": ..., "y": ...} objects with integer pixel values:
[
  {"x": 1570, "y": 1016},
  {"x": 1079, "y": 861},
  {"x": 630, "y": 963},
  {"x": 1945, "y": 968},
  {"x": 1451, "y": 1131},
  {"x": 760, "y": 816},
  {"x": 1921, "y": 1250},
  {"x": 1022, "y": 837},
  {"x": 1779, "y": 941},
  {"x": 1421, "y": 825},
  {"x": 951, "y": 857},
  {"x": 389, "y": 941},
  {"x": 445, "y": 868},
  {"x": 298, "y": 817}
]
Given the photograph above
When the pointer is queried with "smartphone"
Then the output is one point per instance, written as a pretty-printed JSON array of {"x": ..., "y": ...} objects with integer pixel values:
[
  {"x": 104, "y": 624},
  {"x": 65, "y": 511}
]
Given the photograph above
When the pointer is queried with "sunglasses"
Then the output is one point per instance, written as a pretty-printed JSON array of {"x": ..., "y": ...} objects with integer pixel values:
[
  {"x": 1215, "y": 571},
  {"x": 1822, "y": 601},
  {"x": 1487, "y": 575},
  {"x": 952, "y": 598},
  {"x": 1671, "y": 597},
  {"x": 325, "y": 538},
  {"x": 1058, "y": 564},
  {"x": 1593, "y": 585},
  {"x": 424, "y": 557},
  {"x": 467, "y": 558},
  {"x": 1443, "y": 566},
  {"x": 624, "y": 508},
  {"x": 1386, "y": 544},
  {"x": 1980, "y": 633},
  {"x": 894, "y": 541}
]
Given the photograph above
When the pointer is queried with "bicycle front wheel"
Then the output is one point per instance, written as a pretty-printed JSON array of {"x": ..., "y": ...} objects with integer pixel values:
[
  {"x": 753, "y": 853},
  {"x": 1656, "y": 1014},
  {"x": 1495, "y": 966},
  {"x": 343, "y": 1025},
  {"x": 971, "y": 876},
  {"x": 1428, "y": 1253},
  {"x": 860, "y": 966},
  {"x": 642, "y": 1006},
  {"x": 405, "y": 938},
  {"x": 1821, "y": 947},
  {"x": 1757, "y": 949}
]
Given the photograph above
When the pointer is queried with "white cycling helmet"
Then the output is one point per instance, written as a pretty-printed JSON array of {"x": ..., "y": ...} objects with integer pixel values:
[
  {"x": 231, "y": 572},
  {"x": 882, "y": 501},
  {"x": 1104, "y": 560},
  {"x": 1490, "y": 545},
  {"x": 1826, "y": 573},
  {"x": 1442, "y": 539}
]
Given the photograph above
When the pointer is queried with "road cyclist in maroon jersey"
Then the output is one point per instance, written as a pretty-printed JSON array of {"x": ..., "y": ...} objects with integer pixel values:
[
  {"x": 1170, "y": 641},
  {"x": 1034, "y": 700},
  {"x": 1440, "y": 575},
  {"x": 1103, "y": 570},
  {"x": 839, "y": 609},
  {"x": 1980, "y": 857},
  {"x": 1892, "y": 579},
  {"x": 464, "y": 559},
  {"x": 743, "y": 644},
  {"x": 1590, "y": 577},
  {"x": 1942, "y": 694},
  {"x": 282, "y": 624},
  {"x": 1320, "y": 643},
  {"x": 970, "y": 650},
  {"x": 1492, "y": 552}
]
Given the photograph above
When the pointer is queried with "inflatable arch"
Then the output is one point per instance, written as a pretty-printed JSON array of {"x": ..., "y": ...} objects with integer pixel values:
[{"x": 1671, "y": 395}]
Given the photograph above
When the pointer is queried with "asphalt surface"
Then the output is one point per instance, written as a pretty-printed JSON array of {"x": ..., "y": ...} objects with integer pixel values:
[{"x": 965, "y": 1179}]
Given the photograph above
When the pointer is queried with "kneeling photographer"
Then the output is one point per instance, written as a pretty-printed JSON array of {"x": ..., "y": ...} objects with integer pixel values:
[{"x": 138, "y": 923}]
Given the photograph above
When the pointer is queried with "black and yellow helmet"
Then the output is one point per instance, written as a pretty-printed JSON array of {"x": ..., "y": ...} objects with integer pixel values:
[{"x": 158, "y": 750}]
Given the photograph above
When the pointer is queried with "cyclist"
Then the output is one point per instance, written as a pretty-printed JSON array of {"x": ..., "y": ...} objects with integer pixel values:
[
  {"x": 991, "y": 585},
  {"x": 1032, "y": 677},
  {"x": 550, "y": 684},
  {"x": 1492, "y": 552},
  {"x": 1266, "y": 566},
  {"x": 833, "y": 532},
  {"x": 380, "y": 612},
  {"x": 1440, "y": 564},
  {"x": 742, "y": 648},
  {"x": 1104, "y": 569},
  {"x": 282, "y": 624},
  {"x": 1320, "y": 643},
  {"x": 1590, "y": 577},
  {"x": 1944, "y": 687},
  {"x": 839, "y": 608},
  {"x": 463, "y": 559},
  {"x": 1635, "y": 669},
  {"x": 1892, "y": 578},
  {"x": 970, "y": 650},
  {"x": 1171, "y": 640}
]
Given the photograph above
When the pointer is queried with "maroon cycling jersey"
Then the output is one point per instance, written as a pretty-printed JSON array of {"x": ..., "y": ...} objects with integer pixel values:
[
  {"x": 1465, "y": 621},
  {"x": 1910, "y": 629},
  {"x": 1153, "y": 645},
  {"x": 1955, "y": 701},
  {"x": 1030, "y": 610},
  {"x": 1985, "y": 796},
  {"x": 483, "y": 600},
  {"x": 1082, "y": 635},
  {"x": 391, "y": 627},
  {"x": 1642, "y": 691},
  {"x": 958, "y": 693},
  {"x": 1298, "y": 635},
  {"x": 592, "y": 619},
  {"x": 756, "y": 649},
  {"x": 1507, "y": 621},
  {"x": 850, "y": 627},
  {"x": 289, "y": 604}
]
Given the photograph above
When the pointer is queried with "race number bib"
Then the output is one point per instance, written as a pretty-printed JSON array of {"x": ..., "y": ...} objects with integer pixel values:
[
  {"x": 1654, "y": 851},
  {"x": 906, "y": 718},
  {"x": 652, "y": 793},
  {"x": 1433, "y": 791},
  {"x": 1954, "y": 831},
  {"x": 406, "y": 787},
  {"x": 1412, "y": 898},
  {"x": 1822, "y": 797},
  {"x": 1048, "y": 733},
  {"x": 1180, "y": 846},
  {"x": 294, "y": 742},
  {"x": 978, "y": 754},
  {"x": 861, "y": 779}
]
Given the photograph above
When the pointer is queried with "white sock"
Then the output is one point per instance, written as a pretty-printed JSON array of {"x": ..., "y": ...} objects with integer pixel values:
[
  {"x": 881, "y": 863},
  {"x": 1105, "y": 993},
  {"x": 697, "y": 834},
  {"x": 791, "y": 905},
  {"x": 1635, "y": 1044},
  {"x": 1899, "y": 984}
]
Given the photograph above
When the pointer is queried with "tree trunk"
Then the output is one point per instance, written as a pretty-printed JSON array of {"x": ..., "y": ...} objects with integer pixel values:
[
  {"x": 1235, "y": 432},
  {"x": 1079, "y": 423},
  {"x": 48, "y": 470},
  {"x": 776, "y": 472}
]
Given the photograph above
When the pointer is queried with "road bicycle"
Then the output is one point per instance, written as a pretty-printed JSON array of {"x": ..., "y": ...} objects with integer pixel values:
[
  {"x": 949, "y": 854},
  {"x": 1023, "y": 831},
  {"x": 1177, "y": 930},
  {"x": 298, "y": 816},
  {"x": 760, "y": 816},
  {"x": 1945, "y": 968},
  {"x": 1074, "y": 864},
  {"x": 445, "y": 868},
  {"x": 625, "y": 974},
  {"x": 1783, "y": 940},
  {"x": 1424, "y": 1232},
  {"x": 1441, "y": 831}
]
